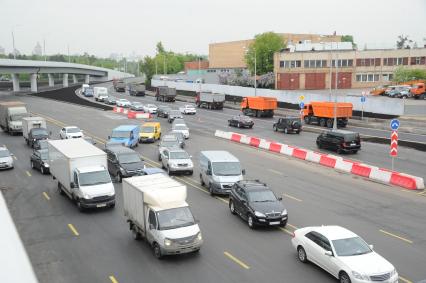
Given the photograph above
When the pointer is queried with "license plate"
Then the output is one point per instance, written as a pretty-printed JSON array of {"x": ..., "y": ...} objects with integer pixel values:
[
  {"x": 352, "y": 144},
  {"x": 274, "y": 223},
  {"x": 101, "y": 205}
]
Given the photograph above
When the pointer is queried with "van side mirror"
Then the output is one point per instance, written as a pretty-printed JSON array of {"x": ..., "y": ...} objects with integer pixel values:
[
  {"x": 209, "y": 172},
  {"x": 243, "y": 171},
  {"x": 280, "y": 198},
  {"x": 371, "y": 247},
  {"x": 72, "y": 185},
  {"x": 329, "y": 253}
]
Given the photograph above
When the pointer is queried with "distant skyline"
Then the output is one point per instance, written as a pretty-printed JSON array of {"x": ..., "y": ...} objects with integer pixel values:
[{"x": 134, "y": 27}]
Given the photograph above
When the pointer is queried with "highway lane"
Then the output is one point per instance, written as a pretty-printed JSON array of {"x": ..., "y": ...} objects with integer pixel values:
[
  {"x": 409, "y": 160},
  {"x": 331, "y": 198}
]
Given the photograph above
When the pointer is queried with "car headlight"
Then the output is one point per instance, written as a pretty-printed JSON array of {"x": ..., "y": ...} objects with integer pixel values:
[
  {"x": 46, "y": 165},
  {"x": 167, "y": 242},
  {"x": 259, "y": 214},
  {"x": 284, "y": 212},
  {"x": 360, "y": 276},
  {"x": 86, "y": 196},
  {"x": 199, "y": 236},
  {"x": 111, "y": 194},
  {"x": 393, "y": 273}
]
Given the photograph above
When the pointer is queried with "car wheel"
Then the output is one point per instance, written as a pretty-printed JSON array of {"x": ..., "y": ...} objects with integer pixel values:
[
  {"x": 119, "y": 178},
  {"x": 319, "y": 145},
  {"x": 339, "y": 151},
  {"x": 157, "y": 251},
  {"x": 354, "y": 151},
  {"x": 322, "y": 122},
  {"x": 135, "y": 234},
  {"x": 211, "y": 189},
  {"x": 344, "y": 277},
  {"x": 168, "y": 171},
  {"x": 32, "y": 165},
  {"x": 159, "y": 157},
  {"x": 285, "y": 131},
  {"x": 301, "y": 254},
  {"x": 250, "y": 221},
  {"x": 191, "y": 173},
  {"x": 330, "y": 123},
  {"x": 239, "y": 125},
  {"x": 229, "y": 123},
  {"x": 307, "y": 119},
  {"x": 201, "y": 180},
  {"x": 61, "y": 191},
  {"x": 275, "y": 128},
  {"x": 231, "y": 207},
  {"x": 79, "y": 206},
  {"x": 42, "y": 170}
]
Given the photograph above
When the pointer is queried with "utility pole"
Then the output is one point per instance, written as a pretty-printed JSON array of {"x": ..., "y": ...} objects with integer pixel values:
[
  {"x": 13, "y": 42},
  {"x": 335, "y": 94},
  {"x": 44, "y": 49},
  {"x": 69, "y": 58}
]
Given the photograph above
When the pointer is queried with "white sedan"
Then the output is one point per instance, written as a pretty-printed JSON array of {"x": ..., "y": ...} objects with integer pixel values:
[
  {"x": 343, "y": 254},
  {"x": 123, "y": 103},
  {"x": 70, "y": 132},
  {"x": 188, "y": 109},
  {"x": 181, "y": 128},
  {"x": 150, "y": 108}
]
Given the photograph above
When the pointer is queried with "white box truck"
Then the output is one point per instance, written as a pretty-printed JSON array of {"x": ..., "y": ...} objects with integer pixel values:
[
  {"x": 156, "y": 210},
  {"x": 82, "y": 174},
  {"x": 100, "y": 93},
  {"x": 33, "y": 129},
  {"x": 11, "y": 114},
  {"x": 210, "y": 100}
]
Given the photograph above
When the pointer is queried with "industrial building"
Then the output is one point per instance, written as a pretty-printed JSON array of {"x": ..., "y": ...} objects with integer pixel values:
[{"x": 307, "y": 66}]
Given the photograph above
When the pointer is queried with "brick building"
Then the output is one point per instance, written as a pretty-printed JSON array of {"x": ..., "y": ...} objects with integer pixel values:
[{"x": 356, "y": 68}]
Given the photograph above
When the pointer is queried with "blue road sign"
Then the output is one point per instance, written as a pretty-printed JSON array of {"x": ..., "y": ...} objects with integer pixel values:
[
  {"x": 301, "y": 105},
  {"x": 394, "y": 124},
  {"x": 362, "y": 99}
]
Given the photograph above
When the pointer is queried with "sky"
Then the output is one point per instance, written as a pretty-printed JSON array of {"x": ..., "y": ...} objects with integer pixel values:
[{"x": 135, "y": 26}]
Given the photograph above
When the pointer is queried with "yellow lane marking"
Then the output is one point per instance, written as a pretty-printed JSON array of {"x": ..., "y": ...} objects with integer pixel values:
[
  {"x": 113, "y": 280},
  {"x": 422, "y": 193},
  {"x": 46, "y": 196},
  {"x": 405, "y": 280},
  {"x": 28, "y": 173},
  {"x": 275, "y": 171},
  {"x": 222, "y": 199},
  {"x": 73, "y": 230},
  {"x": 291, "y": 197},
  {"x": 396, "y": 236},
  {"x": 292, "y": 226},
  {"x": 236, "y": 260},
  {"x": 14, "y": 157},
  {"x": 285, "y": 230}
]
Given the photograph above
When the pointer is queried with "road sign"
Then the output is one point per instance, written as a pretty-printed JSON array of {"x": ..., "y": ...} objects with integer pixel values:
[
  {"x": 394, "y": 124},
  {"x": 301, "y": 105},
  {"x": 362, "y": 99},
  {"x": 302, "y": 97},
  {"x": 394, "y": 144}
]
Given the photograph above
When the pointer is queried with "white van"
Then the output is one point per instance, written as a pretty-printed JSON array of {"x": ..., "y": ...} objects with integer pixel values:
[
  {"x": 219, "y": 170},
  {"x": 100, "y": 93}
]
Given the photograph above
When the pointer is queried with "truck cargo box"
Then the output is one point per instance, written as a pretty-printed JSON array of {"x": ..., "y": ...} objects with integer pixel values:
[
  {"x": 326, "y": 109},
  {"x": 29, "y": 123}
]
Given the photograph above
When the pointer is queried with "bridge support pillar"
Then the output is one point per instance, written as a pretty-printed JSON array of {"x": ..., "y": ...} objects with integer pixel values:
[
  {"x": 74, "y": 79},
  {"x": 15, "y": 81},
  {"x": 33, "y": 80},
  {"x": 87, "y": 79},
  {"x": 65, "y": 80},
  {"x": 51, "y": 80}
]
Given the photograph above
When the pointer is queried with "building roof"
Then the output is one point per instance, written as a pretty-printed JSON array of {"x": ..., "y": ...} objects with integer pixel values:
[{"x": 125, "y": 128}]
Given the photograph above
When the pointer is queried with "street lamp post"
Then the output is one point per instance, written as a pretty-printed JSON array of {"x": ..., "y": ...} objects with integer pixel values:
[
  {"x": 13, "y": 43},
  {"x": 335, "y": 94}
]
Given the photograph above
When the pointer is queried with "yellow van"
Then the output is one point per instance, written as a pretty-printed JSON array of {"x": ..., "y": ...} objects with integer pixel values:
[{"x": 150, "y": 132}]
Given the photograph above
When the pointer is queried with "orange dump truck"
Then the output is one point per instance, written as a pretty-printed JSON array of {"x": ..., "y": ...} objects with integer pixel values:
[
  {"x": 418, "y": 91},
  {"x": 322, "y": 113},
  {"x": 259, "y": 106}
]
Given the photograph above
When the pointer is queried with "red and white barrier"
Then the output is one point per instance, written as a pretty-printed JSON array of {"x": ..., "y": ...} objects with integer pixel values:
[
  {"x": 132, "y": 114},
  {"x": 328, "y": 160}
]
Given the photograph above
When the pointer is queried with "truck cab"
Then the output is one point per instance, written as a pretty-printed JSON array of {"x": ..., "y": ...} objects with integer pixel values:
[
  {"x": 11, "y": 114},
  {"x": 36, "y": 134},
  {"x": 418, "y": 91},
  {"x": 127, "y": 135}
]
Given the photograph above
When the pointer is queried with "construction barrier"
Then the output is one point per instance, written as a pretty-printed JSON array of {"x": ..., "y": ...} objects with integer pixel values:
[
  {"x": 132, "y": 114},
  {"x": 328, "y": 160}
]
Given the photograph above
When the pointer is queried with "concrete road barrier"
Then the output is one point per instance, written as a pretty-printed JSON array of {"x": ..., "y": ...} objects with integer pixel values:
[
  {"x": 328, "y": 160},
  {"x": 132, "y": 114}
]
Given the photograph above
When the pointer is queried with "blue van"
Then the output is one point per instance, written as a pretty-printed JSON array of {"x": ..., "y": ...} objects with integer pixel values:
[{"x": 127, "y": 135}]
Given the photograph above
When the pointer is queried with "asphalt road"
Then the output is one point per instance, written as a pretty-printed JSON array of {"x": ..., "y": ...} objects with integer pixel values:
[{"x": 67, "y": 246}]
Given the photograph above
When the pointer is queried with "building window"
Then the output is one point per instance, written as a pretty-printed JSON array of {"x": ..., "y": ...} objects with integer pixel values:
[
  {"x": 368, "y": 77},
  {"x": 350, "y": 63},
  {"x": 376, "y": 77},
  {"x": 281, "y": 64},
  {"x": 418, "y": 60},
  {"x": 399, "y": 61},
  {"x": 358, "y": 78},
  {"x": 292, "y": 64}
]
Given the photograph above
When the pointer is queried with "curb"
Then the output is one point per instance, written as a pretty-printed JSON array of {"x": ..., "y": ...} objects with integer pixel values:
[{"x": 328, "y": 160}]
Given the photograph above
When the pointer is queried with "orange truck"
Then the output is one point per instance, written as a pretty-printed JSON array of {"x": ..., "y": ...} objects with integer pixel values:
[
  {"x": 322, "y": 113},
  {"x": 259, "y": 106},
  {"x": 418, "y": 91}
]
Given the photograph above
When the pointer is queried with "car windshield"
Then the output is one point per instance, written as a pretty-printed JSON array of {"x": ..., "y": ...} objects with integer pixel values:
[
  {"x": 73, "y": 130},
  {"x": 261, "y": 196},
  {"x": 147, "y": 129},
  {"x": 124, "y": 101},
  {"x": 129, "y": 158},
  {"x": 94, "y": 178},
  {"x": 175, "y": 218},
  {"x": 88, "y": 90},
  {"x": 179, "y": 155},
  {"x": 4, "y": 153},
  {"x": 351, "y": 137},
  {"x": 120, "y": 134},
  {"x": 180, "y": 128},
  {"x": 178, "y": 135},
  {"x": 190, "y": 107},
  {"x": 226, "y": 168},
  {"x": 170, "y": 143},
  {"x": 351, "y": 246},
  {"x": 175, "y": 112},
  {"x": 151, "y": 106},
  {"x": 39, "y": 132},
  {"x": 18, "y": 117}
]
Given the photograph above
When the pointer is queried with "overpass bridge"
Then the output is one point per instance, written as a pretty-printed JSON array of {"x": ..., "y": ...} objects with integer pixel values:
[{"x": 34, "y": 68}]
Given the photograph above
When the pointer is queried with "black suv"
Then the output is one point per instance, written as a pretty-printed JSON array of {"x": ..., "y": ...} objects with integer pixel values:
[
  {"x": 36, "y": 134},
  {"x": 174, "y": 114},
  {"x": 254, "y": 202},
  {"x": 340, "y": 141},
  {"x": 288, "y": 124},
  {"x": 123, "y": 162}
]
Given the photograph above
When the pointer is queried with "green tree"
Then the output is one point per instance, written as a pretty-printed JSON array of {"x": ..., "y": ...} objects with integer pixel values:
[
  {"x": 403, "y": 42},
  {"x": 403, "y": 75},
  {"x": 263, "y": 47},
  {"x": 349, "y": 38},
  {"x": 160, "y": 48}
]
